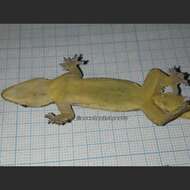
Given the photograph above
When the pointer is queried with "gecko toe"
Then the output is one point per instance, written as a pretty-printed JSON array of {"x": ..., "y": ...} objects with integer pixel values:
[
  {"x": 179, "y": 76},
  {"x": 49, "y": 115},
  {"x": 177, "y": 68},
  {"x": 85, "y": 62},
  {"x": 80, "y": 57}
]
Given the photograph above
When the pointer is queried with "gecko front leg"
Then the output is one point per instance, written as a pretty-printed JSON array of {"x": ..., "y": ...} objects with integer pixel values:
[
  {"x": 67, "y": 114},
  {"x": 72, "y": 65}
]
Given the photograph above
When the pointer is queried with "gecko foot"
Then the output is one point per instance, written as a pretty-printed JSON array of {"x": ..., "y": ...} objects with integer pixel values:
[
  {"x": 57, "y": 119},
  {"x": 73, "y": 61},
  {"x": 179, "y": 77}
]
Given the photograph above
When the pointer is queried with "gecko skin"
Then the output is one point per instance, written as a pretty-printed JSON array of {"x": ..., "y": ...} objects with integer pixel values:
[{"x": 71, "y": 89}]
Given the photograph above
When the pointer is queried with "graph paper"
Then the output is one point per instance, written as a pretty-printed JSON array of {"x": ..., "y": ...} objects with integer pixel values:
[{"x": 125, "y": 51}]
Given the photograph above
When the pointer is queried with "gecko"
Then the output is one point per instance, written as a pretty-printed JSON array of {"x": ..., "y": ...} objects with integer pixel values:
[{"x": 109, "y": 94}]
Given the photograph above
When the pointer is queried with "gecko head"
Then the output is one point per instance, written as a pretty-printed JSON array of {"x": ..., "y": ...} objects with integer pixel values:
[
  {"x": 168, "y": 101},
  {"x": 31, "y": 93}
]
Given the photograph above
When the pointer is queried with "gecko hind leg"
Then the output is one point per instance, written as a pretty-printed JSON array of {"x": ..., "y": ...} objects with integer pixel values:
[
  {"x": 161, "y": 117},
  {"x": 157, "y": 80}
]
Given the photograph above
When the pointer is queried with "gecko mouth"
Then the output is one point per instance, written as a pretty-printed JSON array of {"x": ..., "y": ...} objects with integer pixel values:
[
  {"x": 5, "y": 98},
  {"x": 2, "y": 94}
]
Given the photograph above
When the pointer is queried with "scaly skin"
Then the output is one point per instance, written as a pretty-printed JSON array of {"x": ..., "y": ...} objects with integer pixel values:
[{"x": 70, "y": 89}]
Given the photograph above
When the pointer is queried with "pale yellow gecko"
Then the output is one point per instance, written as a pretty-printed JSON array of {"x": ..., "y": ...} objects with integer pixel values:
[{"x": 71, "y": 89}]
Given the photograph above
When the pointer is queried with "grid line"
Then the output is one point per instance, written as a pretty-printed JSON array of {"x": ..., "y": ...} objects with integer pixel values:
[{"x": 114, "y": 50}]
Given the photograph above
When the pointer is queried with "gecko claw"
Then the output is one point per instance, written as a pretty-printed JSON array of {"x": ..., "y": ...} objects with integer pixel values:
[
  {"x": 177, "y": 69},
  {"x": 80, "y": 58},
  {"x": 49, "y": 115}
]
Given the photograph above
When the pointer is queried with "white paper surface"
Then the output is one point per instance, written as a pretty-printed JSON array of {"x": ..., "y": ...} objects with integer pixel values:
[{"x": 125, "y": 51}]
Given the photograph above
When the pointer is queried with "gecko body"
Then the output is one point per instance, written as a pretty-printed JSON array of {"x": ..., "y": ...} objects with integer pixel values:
[{"x": 71, "y": 89}]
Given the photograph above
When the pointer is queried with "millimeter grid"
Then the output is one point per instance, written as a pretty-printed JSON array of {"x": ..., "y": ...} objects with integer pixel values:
[{"x": 126, "y": 51}]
